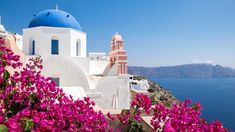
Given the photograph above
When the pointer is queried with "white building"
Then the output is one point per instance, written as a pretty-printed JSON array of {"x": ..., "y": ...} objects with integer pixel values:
[
  {"x": 57, "y": 37},
  {"x": 2, "y": 29},
  {"x": 135, "y": 84}
]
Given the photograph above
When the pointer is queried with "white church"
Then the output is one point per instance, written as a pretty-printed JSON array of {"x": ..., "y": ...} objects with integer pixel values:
[{"x": 57, "y": 37}]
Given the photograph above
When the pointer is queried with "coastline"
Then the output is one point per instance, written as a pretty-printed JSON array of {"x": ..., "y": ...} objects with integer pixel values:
[{"x": 215, "y": 94}]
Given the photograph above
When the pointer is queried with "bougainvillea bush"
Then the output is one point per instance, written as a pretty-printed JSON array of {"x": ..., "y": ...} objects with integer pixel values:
[
  {"x": 180, "y": 117},
  {"x": 32, "y": 102}
]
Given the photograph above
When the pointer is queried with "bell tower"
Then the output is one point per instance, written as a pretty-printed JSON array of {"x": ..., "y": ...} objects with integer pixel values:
[{"x": 118, "y": 55}]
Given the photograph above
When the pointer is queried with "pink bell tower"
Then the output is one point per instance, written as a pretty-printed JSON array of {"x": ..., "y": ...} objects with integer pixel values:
[{"x": 118, "y": 55}]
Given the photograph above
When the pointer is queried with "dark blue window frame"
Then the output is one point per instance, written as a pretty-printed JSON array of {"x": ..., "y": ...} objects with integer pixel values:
[{"x": 54, "y": 47}]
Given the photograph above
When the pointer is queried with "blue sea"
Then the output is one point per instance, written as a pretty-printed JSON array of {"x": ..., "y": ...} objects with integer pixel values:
[{"x": 217, "y": 96}]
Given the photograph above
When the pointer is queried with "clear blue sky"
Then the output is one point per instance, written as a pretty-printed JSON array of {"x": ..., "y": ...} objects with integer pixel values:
[{"x": 156, "y": 32}]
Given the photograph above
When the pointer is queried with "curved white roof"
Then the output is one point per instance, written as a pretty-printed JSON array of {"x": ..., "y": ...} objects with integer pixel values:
[{"x": 2, "y": 29}]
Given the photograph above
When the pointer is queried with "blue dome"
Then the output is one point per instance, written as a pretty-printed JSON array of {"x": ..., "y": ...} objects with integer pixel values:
[{"x": 54, "y": 18}]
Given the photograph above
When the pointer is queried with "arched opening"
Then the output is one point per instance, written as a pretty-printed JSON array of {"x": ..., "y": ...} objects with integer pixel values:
[{"x": 78, "y": 47}]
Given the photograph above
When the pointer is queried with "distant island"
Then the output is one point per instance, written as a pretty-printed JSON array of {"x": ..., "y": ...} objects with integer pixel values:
[{"x": 184, "y": 71}]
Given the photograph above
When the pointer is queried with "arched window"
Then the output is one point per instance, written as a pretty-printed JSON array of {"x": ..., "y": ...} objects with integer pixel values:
[
  {"x": 78, "y": 47},
  {"x": 32, "y": 48},
  {"x": 55, "y": 46}
]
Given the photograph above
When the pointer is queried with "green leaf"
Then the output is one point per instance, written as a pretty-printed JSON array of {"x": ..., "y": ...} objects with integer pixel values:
[
  {"x": 29, "y": 81},
  {"x": 3, "y": 85},
  {"x": 6, "y": 75},
  {"x": 33, "y": 98},
  {"x": 13, "y": 83},
  {"x": 9, "y": 114},
  {"x": 3, "y": 128},
  {"x": 27, "y": 124},
  {"x": 15, "y": 107},
  {"x": 4, "y": 63}
]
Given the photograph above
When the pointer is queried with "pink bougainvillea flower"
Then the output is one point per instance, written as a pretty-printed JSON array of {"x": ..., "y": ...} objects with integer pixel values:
[{"x": 110, "y": 116}]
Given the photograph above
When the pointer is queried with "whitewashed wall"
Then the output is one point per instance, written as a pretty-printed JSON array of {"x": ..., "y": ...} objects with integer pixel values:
[
  {"x": 75, "y": 36},
  {"x": 70, "y": 74},
  {"x": 107, "y": 88},
  {"x": 43, "y": 36},
  {"x": 98, "y": 66}
]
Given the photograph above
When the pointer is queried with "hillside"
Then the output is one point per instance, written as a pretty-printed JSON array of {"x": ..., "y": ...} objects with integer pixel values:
[{"x": 183, "y": 71}]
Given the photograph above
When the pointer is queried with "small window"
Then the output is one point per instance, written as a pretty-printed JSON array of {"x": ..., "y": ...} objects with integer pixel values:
[
  {"x": 55, "y": 47},
  {"x": 57, "y": 81},
  {"x": 33, "y": 47},
  {"x": 78, "y": 48}
]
